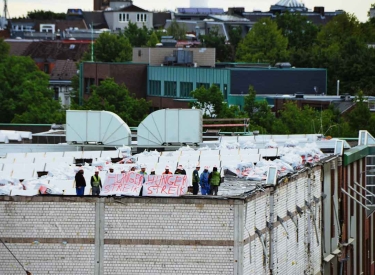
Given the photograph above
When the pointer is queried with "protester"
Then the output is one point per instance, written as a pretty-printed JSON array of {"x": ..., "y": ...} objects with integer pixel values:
[
  {"x": 196, "y": 180},
  {"x": 111, "y": 170},
  {"x": 80, "y": 182},
  {"x": 132, "y": 169},
  {"x": 152, "y": 171},
  {"x": 205, "y": 186},
  {"x": 144, "y": 174},
  {"x": 96, "y": 184},
  {"x": 180, "y": 170},
  {"x": 167, "y": 170},
  {"x": 214, "y": 180}
]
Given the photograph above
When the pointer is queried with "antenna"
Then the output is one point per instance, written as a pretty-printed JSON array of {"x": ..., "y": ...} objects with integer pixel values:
[{"x": 5, "y": 14}]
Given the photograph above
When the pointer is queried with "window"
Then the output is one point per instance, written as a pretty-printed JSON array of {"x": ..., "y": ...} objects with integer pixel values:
[
  {"x": 141, "y": 17},
  {"x": 205, "y": 85},
  {"x": 170, "y": 88},
  {"x": 155, "y": 87},
  {"x": 56, "y": 93},
  {"x": 225, "y": 91},
  {"x": 88, "y": 83},
  {"x": 123, "y": 17},
  {"x": 185, "y": 89},
  {"x": 46, "y": 68}
]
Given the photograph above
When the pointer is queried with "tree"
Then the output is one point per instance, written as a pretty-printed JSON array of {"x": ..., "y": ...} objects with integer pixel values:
[
  {"x": 235, "y": 37},
  {"x": 137, "y": 37},
  {"x": 260, "y": 114},
  {"x": 210, "y": 101},
  {"x": 153, "y": 40},
  {"x": 45, "y": 15},
  {"x": 4, "y": 49},
  {"x": 215, "y": 40},
  {"x": 25, "y": 96},
  {"x": 360, "y": 118},
  {"x": 263, "y": 43},
  {"x": 116, "y": 98},
  {"x": 111, "y": 48},
  {"x": 176, "y": 30},
  {"x": 301, "y": 33}
]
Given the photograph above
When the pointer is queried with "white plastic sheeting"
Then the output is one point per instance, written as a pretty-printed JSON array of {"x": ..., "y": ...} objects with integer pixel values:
[
  {"x": 171, "y": 126},
  {"x": 102, "y": 127}
]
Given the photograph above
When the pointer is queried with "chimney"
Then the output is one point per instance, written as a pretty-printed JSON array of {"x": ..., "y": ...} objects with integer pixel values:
[{"x": 319, "y": 10}]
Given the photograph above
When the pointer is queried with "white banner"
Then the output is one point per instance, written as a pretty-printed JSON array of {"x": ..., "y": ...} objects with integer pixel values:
[
  {"x": 128, "y": 184},
  {"x": 165, "y": 185}
]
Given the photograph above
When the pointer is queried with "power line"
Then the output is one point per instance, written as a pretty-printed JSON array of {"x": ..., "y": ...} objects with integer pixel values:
[{"x": 27, "y": 272}]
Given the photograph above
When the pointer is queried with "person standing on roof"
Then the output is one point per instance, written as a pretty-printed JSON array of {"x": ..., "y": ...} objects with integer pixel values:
[
  {"x": 203, "y": 181},
  {"x": 167, "y": 172},
  {"x": 144, "y": 174},
  {"x": 196, "y": 180},
  {"x": 180, "y": 170},
  {"x": 152, "y": 171},
  {"x": 214, "y": 179},
  {"x": 80, "y": 182},
  {"x": 96, "y": 184}
]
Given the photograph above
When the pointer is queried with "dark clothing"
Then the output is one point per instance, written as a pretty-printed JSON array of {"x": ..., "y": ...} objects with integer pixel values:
[
  {"x": 95, "y": 191},
  {"x": 214, "y": 190},
  {"x": 80, "y": 180},
  {"x": 195, "y": 188},
  {"x": 180, "y": 171},
  {"x": 195, "y": 182}
]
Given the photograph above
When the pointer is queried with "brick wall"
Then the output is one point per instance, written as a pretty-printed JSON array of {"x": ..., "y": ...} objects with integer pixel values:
[{"x": 134, "y": 76}]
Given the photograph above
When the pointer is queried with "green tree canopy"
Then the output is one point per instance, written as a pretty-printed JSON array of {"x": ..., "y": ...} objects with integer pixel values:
[
  {"x": 111, "y": 48},
  {"x": 210, "y": 101},
  {"x": 138, "y": 37},
  {"x": 263, "y": 43},
  {"x": 110, "y": 96},
  {"x": 301, "y": 32},
  {"x": 45, "y": 15},
  {"x": 153, "y": 40},
  {"x": 4, "y": 49},
  {"x": 215, "y": 40},
  {"x": 178, "y": 31},
  {"x": 25, "y": 96}
]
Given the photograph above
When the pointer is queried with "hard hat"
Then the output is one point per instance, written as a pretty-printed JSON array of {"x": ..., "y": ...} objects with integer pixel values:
[
  {"x": 198, "y": 165},
  {"x": 143, "y": 165},
  {"x": 81, "y": 168},
  {"x": 167, "y": 167},
  {"x": 206, "y": 167},
  {"x": 215, "y": 166},
  {"x": 153, "y": 170},
  {"x": 96, "y": 170}
]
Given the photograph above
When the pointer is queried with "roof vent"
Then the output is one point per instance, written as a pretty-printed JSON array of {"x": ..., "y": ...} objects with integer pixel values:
[{"x": 299, "y": 96}]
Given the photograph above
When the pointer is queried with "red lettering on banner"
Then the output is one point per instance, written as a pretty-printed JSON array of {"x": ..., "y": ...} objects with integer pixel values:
[{"x": 172, "y": 190}]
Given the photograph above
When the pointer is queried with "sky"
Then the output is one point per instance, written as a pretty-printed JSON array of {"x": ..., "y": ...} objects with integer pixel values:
[{"x": 20, "y": 7}]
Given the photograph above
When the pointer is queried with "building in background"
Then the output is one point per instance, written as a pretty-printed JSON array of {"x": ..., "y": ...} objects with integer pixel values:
[{"x": 121, "y": 13}]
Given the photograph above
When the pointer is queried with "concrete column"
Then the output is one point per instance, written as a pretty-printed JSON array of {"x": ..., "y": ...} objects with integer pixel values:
[
  {"x": 238, "y": 237},
  {"x": 99, "y": 236}
]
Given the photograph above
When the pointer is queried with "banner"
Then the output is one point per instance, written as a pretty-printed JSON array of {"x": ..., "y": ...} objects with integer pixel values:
[
  {"x": 128, "y": 184},
  {"x": 165, "y": 185}
]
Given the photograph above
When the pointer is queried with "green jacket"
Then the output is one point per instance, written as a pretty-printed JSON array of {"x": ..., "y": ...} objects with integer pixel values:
[
  {"x": 215, "y": 178},
  {"x": 96, "y": 181}
]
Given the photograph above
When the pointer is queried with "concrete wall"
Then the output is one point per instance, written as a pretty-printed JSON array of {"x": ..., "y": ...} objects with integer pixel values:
[
  {"x": 204, "y": 57},
  {"x": 289, "y": 250},
  {"x": 185, "y": 235}
]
